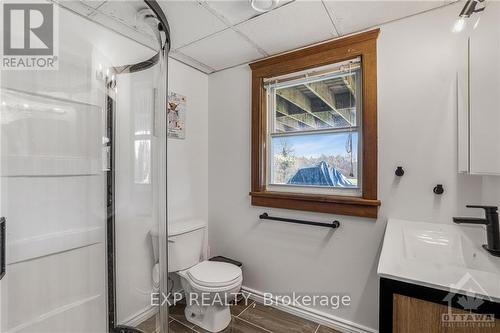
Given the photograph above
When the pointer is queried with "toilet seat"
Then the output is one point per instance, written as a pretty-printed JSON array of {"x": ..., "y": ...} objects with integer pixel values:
[
  {"x": 213, "y": 276},
  {"x": 216, "y": 284}
]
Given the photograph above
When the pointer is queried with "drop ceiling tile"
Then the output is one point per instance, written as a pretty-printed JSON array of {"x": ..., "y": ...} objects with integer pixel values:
[
  {"x": 130, "y": 14},
  {"x": 179, "y": 56},
  {"x": 353, "y": 16},
  {"x": 237, "y": 11},
  {"x": 289, "y": 27},
  {"x": 121, "y": 27},
  {"x": 76, "y": 6},
  {"x": 93, "y": 3},
  {"x": 222, "y": 50},
  {"x": 189, "y": 21}
]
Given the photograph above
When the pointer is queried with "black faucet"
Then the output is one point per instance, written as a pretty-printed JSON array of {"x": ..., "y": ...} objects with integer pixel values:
[{"x": 492, "y": 227}]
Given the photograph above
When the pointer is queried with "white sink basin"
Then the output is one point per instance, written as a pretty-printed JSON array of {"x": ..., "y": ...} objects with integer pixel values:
[{"x": 441, "y": 256}]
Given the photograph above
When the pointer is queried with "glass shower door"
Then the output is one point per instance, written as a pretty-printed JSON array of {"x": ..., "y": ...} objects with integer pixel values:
[
  {"x": 52, "y": 195},
  {"x": 83, "y": 185},
  {"x": 139, "y": 197}
]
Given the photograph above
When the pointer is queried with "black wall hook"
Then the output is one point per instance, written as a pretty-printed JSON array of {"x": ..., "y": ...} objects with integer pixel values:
[
  {"x": 399, "y": 171},
  {"x": 438, "y": 189}
]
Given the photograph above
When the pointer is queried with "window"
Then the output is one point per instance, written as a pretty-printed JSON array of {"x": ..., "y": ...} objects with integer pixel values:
[{"x": 314, "y": 128}]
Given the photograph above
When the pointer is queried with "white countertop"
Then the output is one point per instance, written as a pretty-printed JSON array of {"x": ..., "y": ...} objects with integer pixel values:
[{"x": 441, "y": 256}]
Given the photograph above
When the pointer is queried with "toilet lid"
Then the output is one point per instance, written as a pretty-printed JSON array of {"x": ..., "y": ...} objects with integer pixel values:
[{"x": 214, "y": 273}]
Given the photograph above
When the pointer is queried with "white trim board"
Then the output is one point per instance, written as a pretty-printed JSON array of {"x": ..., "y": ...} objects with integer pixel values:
[{"x": 316, "y": 316}]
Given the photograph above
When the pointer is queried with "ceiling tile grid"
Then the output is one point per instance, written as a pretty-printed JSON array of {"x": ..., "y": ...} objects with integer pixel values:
[
  {"x": 212, "y": 35},
  {"x": 113, "y": 14},
  {"x": 189, "y": 21},
  {"x": 187, "y": 60},
  {"x": 222, "y": 50},
  {"x": 354, "y": 16},
  {"x": 289, "y": 27}
]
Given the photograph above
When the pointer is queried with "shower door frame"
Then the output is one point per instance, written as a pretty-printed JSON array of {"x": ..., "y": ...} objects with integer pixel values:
[{"x": 162, "y": 55}]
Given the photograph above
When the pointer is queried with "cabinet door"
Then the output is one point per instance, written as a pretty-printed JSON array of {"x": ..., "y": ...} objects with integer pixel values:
[
  {"x": 411, "y": 315},
  {"x": 484, "y": 126}
]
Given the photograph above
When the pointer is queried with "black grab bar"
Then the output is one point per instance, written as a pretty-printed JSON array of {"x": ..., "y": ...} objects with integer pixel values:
[{"x": 334, "y": 225}]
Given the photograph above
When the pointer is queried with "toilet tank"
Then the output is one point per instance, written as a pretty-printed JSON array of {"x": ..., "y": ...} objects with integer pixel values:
[{"x": 185, "y": 243}]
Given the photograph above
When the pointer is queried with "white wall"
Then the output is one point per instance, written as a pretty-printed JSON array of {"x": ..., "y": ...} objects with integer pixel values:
[
  {"x": 417, "y": 63},
  {"x": 491, "y": 190},
  {"x": 187, "y": 179},
  {"x": 188, "y": 159}
]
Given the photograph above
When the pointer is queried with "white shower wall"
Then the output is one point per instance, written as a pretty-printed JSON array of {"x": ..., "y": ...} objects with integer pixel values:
[
  {"x": 133, "y": 198},
  {"x": 187, "y": 185},
  {"x": 52, "y": 184}
]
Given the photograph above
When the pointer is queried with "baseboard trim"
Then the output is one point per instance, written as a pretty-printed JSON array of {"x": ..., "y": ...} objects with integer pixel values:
[
  {"x": 322, "y": 318},
  {"x": 139, "y": 317}
]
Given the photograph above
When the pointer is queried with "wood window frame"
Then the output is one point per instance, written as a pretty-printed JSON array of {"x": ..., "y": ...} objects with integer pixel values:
[{"x": 362, "y": 45}]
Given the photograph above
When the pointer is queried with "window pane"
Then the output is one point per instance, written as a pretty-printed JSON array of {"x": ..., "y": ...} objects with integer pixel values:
[
  {"x": 326, "y": 103},
  {"x": 326, "y": 160}
]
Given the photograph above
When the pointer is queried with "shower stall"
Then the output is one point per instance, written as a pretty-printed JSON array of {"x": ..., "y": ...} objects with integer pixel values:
[{"x": 83, "y": 176}]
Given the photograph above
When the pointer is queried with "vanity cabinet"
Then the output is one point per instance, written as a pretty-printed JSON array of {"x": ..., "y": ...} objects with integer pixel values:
[
  {"x": 479, "y": 95},
  {"x": 416, "y": 315},
  {"x": 411, "y": 308}
]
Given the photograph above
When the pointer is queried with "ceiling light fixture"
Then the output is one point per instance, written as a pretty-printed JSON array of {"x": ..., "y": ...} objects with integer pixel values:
[
  {"x": 459, "y": 24},
  {"x": 468, "y": 10},
  {"x": 263, "y": 6}
]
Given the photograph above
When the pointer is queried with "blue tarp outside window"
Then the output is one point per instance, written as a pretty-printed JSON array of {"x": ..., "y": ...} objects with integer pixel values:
[{"x": 320, "y": 175}]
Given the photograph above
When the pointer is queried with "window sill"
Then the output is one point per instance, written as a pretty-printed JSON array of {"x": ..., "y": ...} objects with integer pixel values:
[{"x": 332, "y": 204}]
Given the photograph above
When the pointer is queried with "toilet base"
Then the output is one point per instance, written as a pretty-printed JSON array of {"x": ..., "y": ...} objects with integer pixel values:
[
  {"x": 213, "y": 318},
  {"x": 208, "y": 307}
]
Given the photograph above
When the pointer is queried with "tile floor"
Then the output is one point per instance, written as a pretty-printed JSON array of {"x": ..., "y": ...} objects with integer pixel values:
[{"x": 251, "y": 318}]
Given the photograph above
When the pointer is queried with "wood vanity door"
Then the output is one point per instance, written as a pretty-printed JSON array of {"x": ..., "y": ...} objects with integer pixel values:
[{"x": 412, "y": 315}]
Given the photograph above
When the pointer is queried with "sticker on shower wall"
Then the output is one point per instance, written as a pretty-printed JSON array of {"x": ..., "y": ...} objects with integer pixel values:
[
  {"x": 30, "y": 37},
  {"x": 176, "y": 115}
]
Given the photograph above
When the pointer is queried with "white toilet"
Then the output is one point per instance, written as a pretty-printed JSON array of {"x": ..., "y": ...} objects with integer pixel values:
[{"x": 205, "y": 283}]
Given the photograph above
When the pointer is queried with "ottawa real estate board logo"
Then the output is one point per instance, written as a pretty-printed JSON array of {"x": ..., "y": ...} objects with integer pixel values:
[
  {"x": 465, "y": 307},
  {"x": 30, "y": 36}
]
